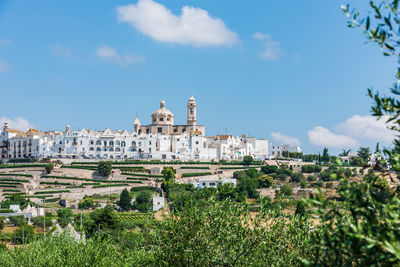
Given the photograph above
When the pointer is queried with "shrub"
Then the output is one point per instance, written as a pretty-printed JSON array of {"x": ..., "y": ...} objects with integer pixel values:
[
  {"x": 194, "y": 174},
  {"x": 104, "y": 168},
  {"x": 347, "y": 172},
  {"x": 303, "y": 183},
  {"x": 86, "y": 203},
  {"x": 311, "y": 178},
  {"x": 296, "y": 177},
  {"x": 329, "y": 185},
  {"x": 17, "y": 220},
  {"x": 265, "y": 181},
  {"x": 24, "y": 234},
  {"x": 49, "y": 168},
  {"x": 285, "y": 191}
]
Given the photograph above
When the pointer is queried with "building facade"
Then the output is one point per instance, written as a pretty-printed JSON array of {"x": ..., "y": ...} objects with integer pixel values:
[{"x": 161, "y": 139}]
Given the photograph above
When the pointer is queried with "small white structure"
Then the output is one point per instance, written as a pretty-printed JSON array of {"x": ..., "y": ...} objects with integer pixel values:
[
  {"x": 34, "y": 211},
  {"x": 69, "y": 230},
  {"x": 212, "y": 182},
  {"x": 158, "y": 203},
  {"x": 15, "y": 208}
]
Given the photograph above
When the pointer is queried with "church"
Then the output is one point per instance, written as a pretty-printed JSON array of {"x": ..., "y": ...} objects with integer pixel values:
[{"x": 162, "y": 122}]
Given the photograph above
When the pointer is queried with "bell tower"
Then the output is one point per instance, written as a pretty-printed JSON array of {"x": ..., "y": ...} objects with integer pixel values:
[{"x": 191, "y": 112}]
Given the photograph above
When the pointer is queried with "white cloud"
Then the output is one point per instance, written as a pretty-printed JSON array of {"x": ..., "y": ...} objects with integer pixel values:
[
  {"x": 4, "y": 66},
  {"x": 260, "y": 36},
  {"x": 62, "y": 51},
  {"x": 367, "y": 127},
  {"x": 284, "y": 139},
  {"x": 18, "y": 123},
  {"x": 323, "y": 137},
  {"x": 4, "y": 42},
  {"x": 110, "y": 53},
  {"x": 194, "y": 26},
  {"x": 272, "y": 49}
]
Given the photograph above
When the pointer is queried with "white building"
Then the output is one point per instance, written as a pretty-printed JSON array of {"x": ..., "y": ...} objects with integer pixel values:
[
  {"x": 276, "y": 150},
  {"x": 161, "y": 140},
  {"x": 212, "y": 182}
]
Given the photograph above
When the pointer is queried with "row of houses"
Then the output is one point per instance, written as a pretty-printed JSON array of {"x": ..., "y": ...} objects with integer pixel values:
[{"x": 160, "y": 140}]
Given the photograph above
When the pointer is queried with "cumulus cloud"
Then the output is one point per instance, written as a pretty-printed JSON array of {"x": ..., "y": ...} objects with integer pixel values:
[
  {"x": 194, "y": 26},
  {"x": 284, "y": 139},
  {"x": 110, "y": 53},
  {"x": 367, "y": 127},
  {"x": 321, "y": 136},
  {"x": 62, "y": 51},
  {"x": 272, "y": 49},
  {"x": 17, "y": 123},
  {"x": 4, "y": 66}
]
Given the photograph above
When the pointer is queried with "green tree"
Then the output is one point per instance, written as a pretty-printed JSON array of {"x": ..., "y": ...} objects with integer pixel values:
[
  {"x": 103, "y": 220},
  {"x": 248, "y": 160},
  {"x": 169, "y": 177},
  {"x": 125, "y": 200},
  {"x": 65, "y": 216},
  {"x": 223, "y": 233},
  {"x": 2, "y": 223},
  {"x": 143, "y": 202},
  {"x": 17, "y": 220},
  {"x": 325, "y": 155},
  {"x": 24, "y": 234},
  {"x": 265, "y": 181},
  {"x": 104, "y": 168},
  {"x": 49, "y": 168},
  {"x": 285, "y": 191},
  {"x": 296, "y": 177},
  {"x": 38, "y": 221},
  {"x": 364, "y": 153},
  {"x": 86, "y": 203}
]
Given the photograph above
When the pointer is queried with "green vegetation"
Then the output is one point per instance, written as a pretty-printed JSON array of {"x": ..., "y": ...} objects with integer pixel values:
[
  {"x": 194, "y": 174},
  {"x": 110, "y": 185},
  {"x": 143, "y": 202},
  {"x": 16, "y": 174},
  {"x": 104, "y": 168},
  {"x": 51, "y": 192},
  {"x": 125, "y": 201},
  {"x": 10, "y": 166},
  {"x": 48, "y": 168}
]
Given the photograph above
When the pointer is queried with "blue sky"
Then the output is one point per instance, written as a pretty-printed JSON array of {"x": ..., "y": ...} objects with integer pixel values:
[{"x": 288, "y": 71}]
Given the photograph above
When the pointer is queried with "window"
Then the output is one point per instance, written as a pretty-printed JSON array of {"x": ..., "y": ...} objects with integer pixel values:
[
  {"x": 98, "y": 149},
  {"x": 123, "y": 144},
  {"x": 111, "y": 143},
  {"x": 117, "y": 143},
  {"x": 98, "y": 142},
  {"x": 91, "y": 142},
  {"x": 212, "y": 184},
  {"x": 149, "y": 143},
  {"x": 191, "y": 111},
  {"x": 197, "y": 142},
  {"x": 133, "y": 143},
  {"x": 91, "y": 149},
  {"x": 159, "y": 130},
  {"x": 161, "y": 119},
  {"x": 105, "y": 143}
]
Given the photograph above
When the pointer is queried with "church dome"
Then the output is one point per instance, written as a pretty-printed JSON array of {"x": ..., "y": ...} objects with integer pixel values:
[
  {"x": 163, "y": 110},
  {"x": 162, "y": 115}
]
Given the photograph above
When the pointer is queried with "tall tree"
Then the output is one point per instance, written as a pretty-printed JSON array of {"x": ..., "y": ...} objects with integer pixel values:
[
  {"x": 325, "y": 155},
  {"x": 125, "y": 200}
]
